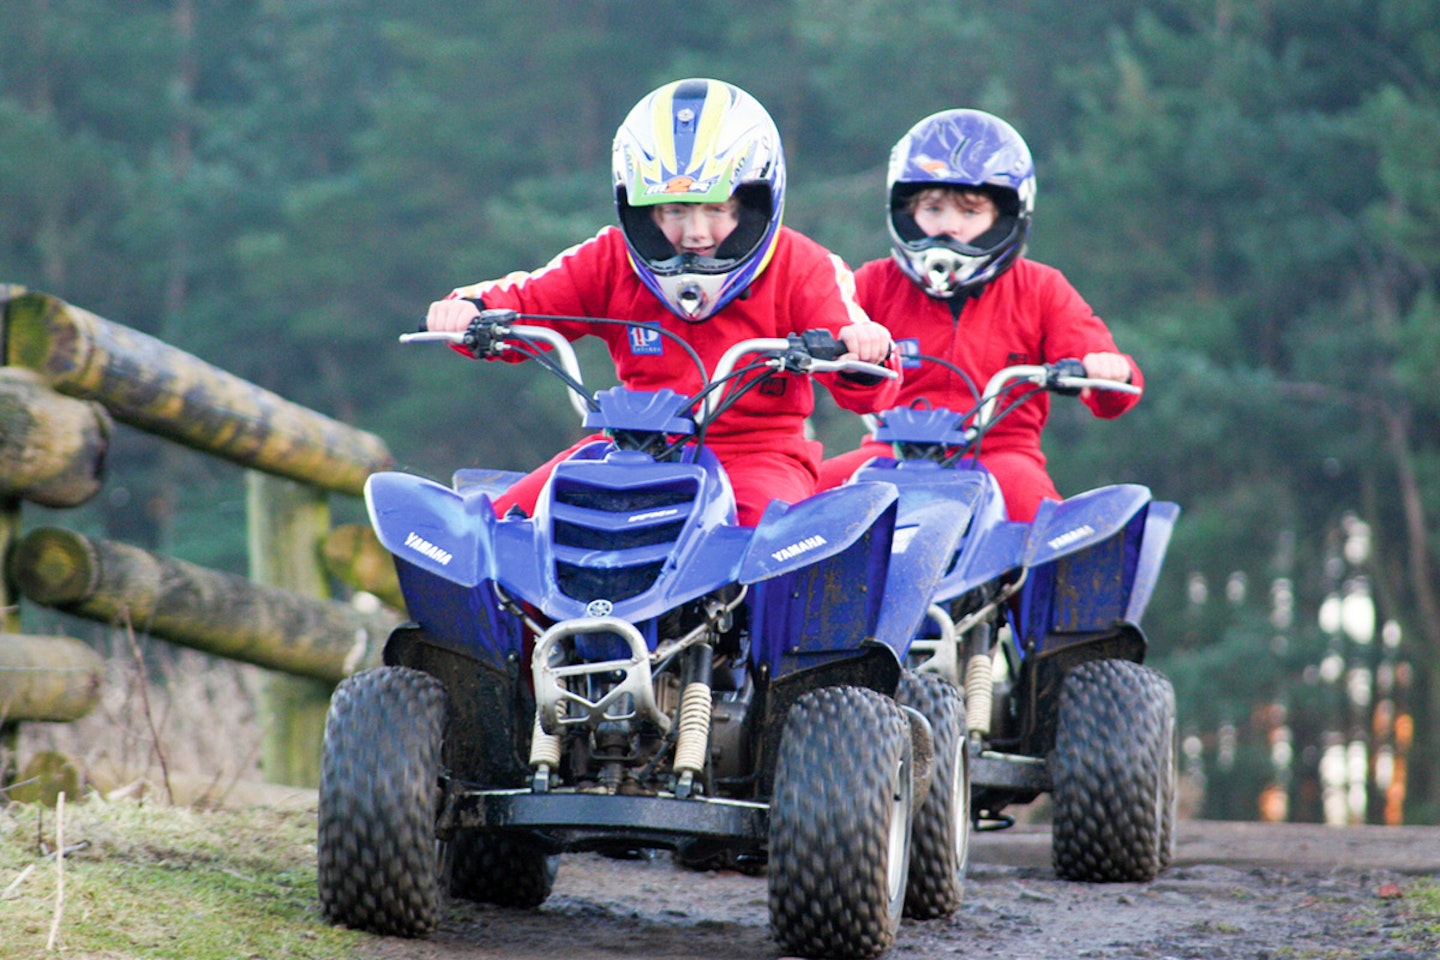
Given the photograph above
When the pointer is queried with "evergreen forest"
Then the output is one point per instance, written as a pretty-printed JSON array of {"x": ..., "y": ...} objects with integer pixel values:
[{"x": 1248, "y": 191}]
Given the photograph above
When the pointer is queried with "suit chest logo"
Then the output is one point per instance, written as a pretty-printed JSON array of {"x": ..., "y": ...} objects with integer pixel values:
[
  {"x": 909, "y": 348},
  {"x": 646, "y": 341}
]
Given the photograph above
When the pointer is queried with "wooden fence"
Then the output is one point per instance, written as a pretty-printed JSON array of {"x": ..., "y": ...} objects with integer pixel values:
[{"x": 67, "y": 375}]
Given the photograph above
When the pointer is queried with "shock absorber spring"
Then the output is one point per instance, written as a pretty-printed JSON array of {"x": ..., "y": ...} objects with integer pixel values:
[
  {"x": 979, "y": 679},
  {"x": 544, "y": 755},
  {"x": 692, "y": 740},
  {"x": 694, "y": 736}
]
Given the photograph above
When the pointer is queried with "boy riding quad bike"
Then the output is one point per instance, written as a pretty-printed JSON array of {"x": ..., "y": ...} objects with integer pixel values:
[
  {"x": 1039, "y": 623},
  {"x": 628, "y": 668}
]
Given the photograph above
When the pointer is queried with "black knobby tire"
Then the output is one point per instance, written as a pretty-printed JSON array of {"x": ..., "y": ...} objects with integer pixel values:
[
  {"x": 1172, "y": 800},
  {"x": 1113, "y": 772},
  {"x": 378, "y": 863},
  {"x": 491, "y": 868},
  {"x": 840, "y": 824},
  {"x": 940, "y": 838}
]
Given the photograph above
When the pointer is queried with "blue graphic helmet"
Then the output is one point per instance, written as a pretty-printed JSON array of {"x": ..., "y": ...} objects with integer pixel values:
[
  {"x": 699, "y": 141},
  {"x": 960, "y": 148}
]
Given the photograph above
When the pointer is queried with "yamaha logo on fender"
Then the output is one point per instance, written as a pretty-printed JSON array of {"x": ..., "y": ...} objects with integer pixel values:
[
  {"x": 804, "y": 546},
  {"x": 421, "y": 545},
  {"x": 1070, "y": 536}
]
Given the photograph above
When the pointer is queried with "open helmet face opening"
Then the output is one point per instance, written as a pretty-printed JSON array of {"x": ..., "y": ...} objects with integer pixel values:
[
  {"x": 699, "y": 141},
  {"x": 967, "y": 149}
]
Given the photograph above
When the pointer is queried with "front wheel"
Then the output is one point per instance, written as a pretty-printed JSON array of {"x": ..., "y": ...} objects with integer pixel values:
[
  {"x": 840, "y": 824},
  {"x": 940, "y": 842},
  {"x": 1113, "y": 773},
  {"x": 378, "y": 867}
]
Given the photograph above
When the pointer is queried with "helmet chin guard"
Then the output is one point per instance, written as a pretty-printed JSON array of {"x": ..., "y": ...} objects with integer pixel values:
[{"x": 690, "y": 296}]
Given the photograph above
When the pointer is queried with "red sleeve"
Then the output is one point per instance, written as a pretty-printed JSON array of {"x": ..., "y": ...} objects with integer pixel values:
[
  {"x": 1073, "y": 330},
  {"x": 828, "y": 294},
  {"x": 572, "y": 284}
]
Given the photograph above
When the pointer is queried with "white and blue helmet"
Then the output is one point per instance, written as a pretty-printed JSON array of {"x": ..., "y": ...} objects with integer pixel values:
[
  {"x": 699, "y": 141},
  {"x": 960, "y": 148}
]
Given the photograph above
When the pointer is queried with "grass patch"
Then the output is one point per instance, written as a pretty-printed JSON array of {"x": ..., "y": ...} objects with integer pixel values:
[
  {"x": 1422, "y": 904},
  {"x": 142, "y": 880}
]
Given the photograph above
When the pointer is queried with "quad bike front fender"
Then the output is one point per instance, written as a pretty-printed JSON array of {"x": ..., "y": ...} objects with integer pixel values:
[
  {"x": 1159, "y": 523},
  {"x": 1069, "y": 526},
  {"x": 789, "y": 537},
  {"x": 431, "y": 526},
  {"x": 925, "y": 543}
]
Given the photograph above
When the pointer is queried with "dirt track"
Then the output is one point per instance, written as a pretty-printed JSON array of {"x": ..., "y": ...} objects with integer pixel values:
[{"x": 1236, "y": 890}]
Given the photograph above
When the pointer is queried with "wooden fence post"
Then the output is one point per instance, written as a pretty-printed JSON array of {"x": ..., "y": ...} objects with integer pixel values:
[
  {"x": 9, "y": 623},
  {"x": 9, "y": 509},
  {"x": 9, "y": 596},
  {"x": 287, "y": 527}
]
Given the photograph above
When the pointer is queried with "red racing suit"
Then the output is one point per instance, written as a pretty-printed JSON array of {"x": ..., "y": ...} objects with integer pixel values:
[
  {"x": 761, "y": 439},
  {"x": 1030, "y": 314}
]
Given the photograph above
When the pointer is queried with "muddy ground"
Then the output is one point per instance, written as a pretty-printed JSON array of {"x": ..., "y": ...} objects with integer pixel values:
[{"x": 1235, "y": 890}]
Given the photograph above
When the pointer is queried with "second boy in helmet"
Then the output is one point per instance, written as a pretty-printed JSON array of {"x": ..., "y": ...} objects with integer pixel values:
[
  {"x": 699, "y": 178},
  {"x": 962, "y": 190}
]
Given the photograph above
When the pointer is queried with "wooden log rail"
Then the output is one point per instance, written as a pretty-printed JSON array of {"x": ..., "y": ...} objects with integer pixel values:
[
  {"x": 48, "y": 678},
  {"x": 65, "y": 373},
  {"x": 219, "y": 613},
  {"x": 52, "y": 448},
  {"x": 160, "y": 389}
]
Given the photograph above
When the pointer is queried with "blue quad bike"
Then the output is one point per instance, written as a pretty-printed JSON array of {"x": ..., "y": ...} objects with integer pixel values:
[
  {"x": 1039, "y": 623},
  {"x": 628, "y": 669}
]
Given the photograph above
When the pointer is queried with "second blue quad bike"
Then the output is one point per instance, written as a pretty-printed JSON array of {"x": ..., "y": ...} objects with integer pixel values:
[
  {"x": 1039, "y": 623},
  {"x": 628, "y": 669}
]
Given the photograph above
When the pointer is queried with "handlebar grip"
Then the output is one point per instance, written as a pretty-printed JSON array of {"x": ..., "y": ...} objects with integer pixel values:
[
  {"x": 1064, "y": 369},
  {"x": 822, "y": 345}
]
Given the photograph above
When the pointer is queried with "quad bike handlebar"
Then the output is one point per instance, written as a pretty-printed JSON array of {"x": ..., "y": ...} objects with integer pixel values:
[
  {"x": 1065, "y": 377},
  {"x": 944, "y": 435},
  {"x": 486, "y": 337},
  {"x": 494, "y": 333}
]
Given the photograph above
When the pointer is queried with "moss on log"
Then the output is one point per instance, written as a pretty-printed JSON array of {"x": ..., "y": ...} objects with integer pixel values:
[
  {"x": 354, "y": 556},
  {"x": 219, "y": 613},
  {"x": 52, "y": 448},
  {"x": 49, "y": 679},
  {"x": 155, "y": 387}
]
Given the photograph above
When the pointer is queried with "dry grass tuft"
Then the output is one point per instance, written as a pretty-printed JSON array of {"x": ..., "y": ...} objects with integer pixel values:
[{"x": 172, "y": 724}]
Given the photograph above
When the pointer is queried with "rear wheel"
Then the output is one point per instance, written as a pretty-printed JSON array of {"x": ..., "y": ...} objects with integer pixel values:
[
  {"x": 490, "y": 868},
  {"x": 840, "y": 824},
  {"x": 1113, "y": 773},
  {"x": 940, "y": 838},
  {"x": 378, "y": 869}
]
